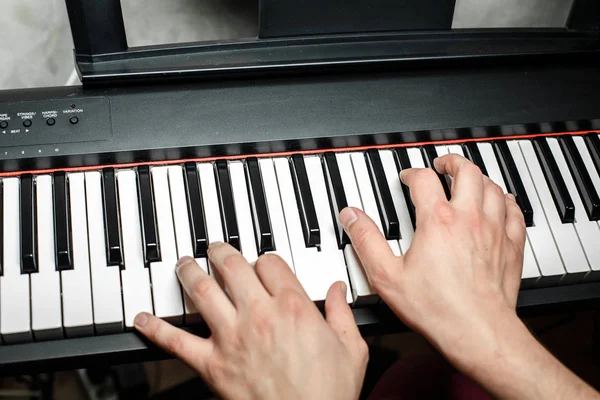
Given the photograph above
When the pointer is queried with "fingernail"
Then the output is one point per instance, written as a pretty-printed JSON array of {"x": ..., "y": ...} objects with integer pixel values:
[
  {"x": 141, "y": 320},
  {"x": 347, "y": 217},
  {"x": 213, "y": 246},
  {"x": 510, "y": 196},
  {"x": 182, "y": 261},
  {"x": 402, "y": 175},
  {"x": 343, "y": 287},
  {"x": 436, "y": 163}
]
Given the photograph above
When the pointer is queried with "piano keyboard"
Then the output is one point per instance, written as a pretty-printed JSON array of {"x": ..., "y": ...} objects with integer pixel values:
[{"x": 84, "y": 252}]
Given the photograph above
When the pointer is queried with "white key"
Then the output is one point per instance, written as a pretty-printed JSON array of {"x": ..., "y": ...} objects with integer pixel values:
[
  {"x": 78, "y": 316},
  {"x": 587, "y": 161},
  {"x": 46, "y": 309},
  {"x": 241, "y": 202},
  {"x": 135, "y": 278},
  {"x": 15, "y": 322},
  {"x": 166, "y": 290},
  {"x": 441, "y": 150},
  {"x": 212, "y": 213},
  {"x": 540, "y": 235},
  {"x": 367, "y": 196},
  {"x": 106, "y": 281},
  {"x": 455, "y": 149},
  {"x": 183, "y": 234},
  {"x": 305, "y": 258},
  {"x": 362, "y": 292},
  {"x": 415, "y": 157},
  {"x": 331, "y": 259},
  {"x": 565, "y": 236},
  {"x": 278, "y": 225},
  {"x": 587, "y": 231},
  {"x": 531, "y": 272},
  {"x": 393, "y": 180}
]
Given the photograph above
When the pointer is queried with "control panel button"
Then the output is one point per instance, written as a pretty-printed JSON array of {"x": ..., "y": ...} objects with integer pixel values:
[
  {"x": 74, "y": 120},
  {"x": 27, "y": 123},
  {"x": 50, "y": 121},
  {"x": 3, "y": 124}
]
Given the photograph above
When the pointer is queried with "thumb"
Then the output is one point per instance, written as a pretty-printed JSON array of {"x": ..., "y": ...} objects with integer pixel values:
[
  {"x": 371, "y": 246},
  {"x": 339, "y": 315}
]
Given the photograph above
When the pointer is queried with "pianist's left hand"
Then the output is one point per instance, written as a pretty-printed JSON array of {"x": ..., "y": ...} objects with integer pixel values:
[{"x": 269, "y": 341}]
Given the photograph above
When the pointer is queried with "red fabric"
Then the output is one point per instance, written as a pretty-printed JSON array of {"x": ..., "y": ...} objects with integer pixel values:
[{"x": 426, "y": 376}]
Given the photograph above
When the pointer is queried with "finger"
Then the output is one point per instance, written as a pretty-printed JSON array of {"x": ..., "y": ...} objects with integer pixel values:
[
  {"x": 425, "y": 188},
  {"x": 515, "y": 222},
  {"x": 208, "y": 297},
  {"x": 276, "y": 275},
  {"x": 191, "y": 349},
  {"x": 467, "y": 184},
  {"x": 339, "y": 315},
  {"x": 494, "y": 201},
  {"x": 370, "y": 245},
  {"x": 238, "y": 275}
]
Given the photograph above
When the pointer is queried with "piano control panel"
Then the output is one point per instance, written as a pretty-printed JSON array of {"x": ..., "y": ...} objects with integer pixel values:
[{"x": 32, "y": 123}]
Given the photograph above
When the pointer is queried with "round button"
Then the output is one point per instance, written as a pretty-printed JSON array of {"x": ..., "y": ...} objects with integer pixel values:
[
  {"x": 27, "y": 123},
  {"x": 74, "y": 120},
  {"x": 3, "y": 124},
  {"x": 50, "y": 121}
]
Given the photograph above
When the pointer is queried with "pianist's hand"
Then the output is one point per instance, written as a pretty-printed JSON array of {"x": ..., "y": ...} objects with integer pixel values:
[{"x": 269, "y": 341}]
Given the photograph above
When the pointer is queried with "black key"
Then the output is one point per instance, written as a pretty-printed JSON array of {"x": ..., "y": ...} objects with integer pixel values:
[
  {"x": 195, "y": 210},
  {"x": 28, "y": 226},
  {"x": 403, "y": 162},
  {"x": 593, "y": 144},
  {"x": 583, "y": 182},
  {"x": 62, "y": 223},
  {"x": 472, "y": 154},
  {"x": 556, "y": 184},
  {"x": 383, "y": 196},
  {"x": 512, "y": 179},
  {"x": 114, "y": 254},
  {"x": 337, "y": 196},
  {"x": 430, "y": 154},
  {"x": 306, "y": 207},
  {"x": 258, "y": 205},
  {"x": 225, "y": 193},
  {"x": 149, "y": 232}
]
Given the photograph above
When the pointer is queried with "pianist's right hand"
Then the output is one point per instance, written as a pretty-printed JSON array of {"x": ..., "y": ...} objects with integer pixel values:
[{"x": 458, "y": 283}]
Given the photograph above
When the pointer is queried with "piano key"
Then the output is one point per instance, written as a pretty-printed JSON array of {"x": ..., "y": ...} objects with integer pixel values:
[
  {"x": 304, "y": 201},
  {"x": 333, "y": 266},
  {"x": 429, "y": 154},
  {"x": 46, "y": 310},
  {"x": 366, "y": 190},
  {"x": 456, "y": 149},
  {"x": 403, "y": 162},
  {"x": 183, "y": 229},
  {"x": 587, "y": 231},
  {"x": 196, "y": 210},
  {"x": 28, "y": 226},
  {"x": 62, "y": 224},
  {"x": 241, "y": 201},
  {"x": 212, "y": 213},
  {"x": 106, "y": 280},
  {"x": 531, "y": 273},
  {"x": 166, "y": 290},
  {"x": 385, "y": 204},
  {"x": 592, "y": 141},
  {"x": 111, "y": 217},
  {"x": 560, "y": 194},
  {"x": 588, "y": 162},
  {"x": 1, "y": 229},
  {"x": 148, "y": 217},
  {"x": 15, "y": 317},
  {"x": 305, "y": 258},
  {"x": 335, "y": 189},
  {"x": 225, "y": 196},
  {"x": 539, "y": 234},
  {"x": 564, "y": 234},
  {"x": 78, "y": 317},
  {"x": 278, "y": 224},
  {"x": 513, "y": 180},
  {"x": 399, "y": 199},
  {"x": 258, "y": 203},
  {"x": 135, "y": 277},
  {"x": 473, "y": 154},
  {"x": 581, "y": 174},
  {"x": 362, "y": 291}
]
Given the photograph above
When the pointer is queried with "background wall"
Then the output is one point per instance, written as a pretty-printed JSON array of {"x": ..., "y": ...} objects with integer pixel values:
[{"x": 36, "y": 45}]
